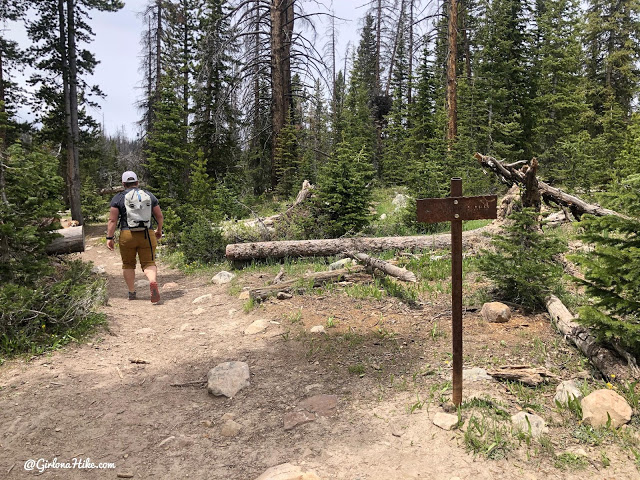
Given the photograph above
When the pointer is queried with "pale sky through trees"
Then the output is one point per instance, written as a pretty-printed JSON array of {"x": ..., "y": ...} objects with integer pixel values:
[{"x": 117, "y": 46}]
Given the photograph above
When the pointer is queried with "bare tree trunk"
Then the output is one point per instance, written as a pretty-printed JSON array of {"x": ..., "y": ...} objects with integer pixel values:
[
  {"x": 185, "y": 73},
  {"x": 452, "y": 100},
  {"x": 65, "y": 94},
  {"x": 399, "y": 34},
  {"x": 410, "y": 86},
  {"x": 531, "y": 196},
  {"x": 465, "y": 40},
  {"x": 158, "y": 47},
  {"x": 74, "y": 156},
  {"x": 378, "y": 42}
]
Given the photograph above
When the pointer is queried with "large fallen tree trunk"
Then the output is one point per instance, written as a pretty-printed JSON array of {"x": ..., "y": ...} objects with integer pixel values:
[
  {"x": 312, "y": 280},
  {"x": 388, "y": 268},
  {"x": 238, "y": 252},
  {"x": 509, "y": 175},
  {"x": 606, "y": 361},
  {"x": 71, "y": 241}
]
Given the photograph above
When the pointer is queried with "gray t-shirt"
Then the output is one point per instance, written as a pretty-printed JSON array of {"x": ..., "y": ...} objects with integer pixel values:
[{"x": 118, "y": 202}]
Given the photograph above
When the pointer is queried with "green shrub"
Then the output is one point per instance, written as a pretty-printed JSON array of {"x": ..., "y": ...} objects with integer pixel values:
[
  {"x": 58, "y": 308},
  {"x": 522, "y": 265},
  {"x": 94, "y": 206},
  {"x": 201, "y": 242}
]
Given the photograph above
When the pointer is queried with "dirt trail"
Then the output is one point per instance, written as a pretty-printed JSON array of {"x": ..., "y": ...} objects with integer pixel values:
[{"x": 91, "y": 402}]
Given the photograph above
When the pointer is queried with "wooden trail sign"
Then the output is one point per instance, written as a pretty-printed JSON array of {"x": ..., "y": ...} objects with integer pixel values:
[{"x": 455, "y": 209}]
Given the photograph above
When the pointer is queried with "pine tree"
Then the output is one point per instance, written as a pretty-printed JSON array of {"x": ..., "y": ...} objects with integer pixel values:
[{"x": 612, "y": 274}]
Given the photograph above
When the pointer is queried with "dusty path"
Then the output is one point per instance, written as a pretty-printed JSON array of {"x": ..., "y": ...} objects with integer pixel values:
[{"x": 92, "y": 402}]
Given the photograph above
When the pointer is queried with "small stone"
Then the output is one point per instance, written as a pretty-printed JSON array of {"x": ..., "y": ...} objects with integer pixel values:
[
  {"x": 383, "y": 216},
  {"x": 314, "y": 386},
  {"x": 397, "y": 432},
  {"x": 199, "y": 311},
  {"x": 283, "y": 296},
  {"x": 244, "y": 295},
  {"x": 566, "y": 390},
  {"x": 299, "y": 417},
  {"x": 538, "y": 425},
  {"x": 142, "y": 284},
  {"x": 227, "y": 416},
  {"x": 99, "y": 270},
  {"x": 287, "y": 471},
  {"x": 598, "y": 404},
  {"x": 446, "y": 421},
  {"x": 146, "y": 331},
  {"x": 204, "y": 298},
  {"x": 581, "y": 452},
  {"x": 223, "y": 277},
  {"x": 231, "y": 428},
  {"x": 323, "y": 405},
  {"x": 475, "y": 374},
  {"x": 256, "y": 327},
  {"x": 166, "y": 440},
  {"x": 317, "y": 329},
  {"x": 124, "y": 475},
  {"x": 207, "y": 423},
  {"x": 400, "y": 201},
  {"x": 228, "y": 379},
  {"x": 344, "y": 263}
]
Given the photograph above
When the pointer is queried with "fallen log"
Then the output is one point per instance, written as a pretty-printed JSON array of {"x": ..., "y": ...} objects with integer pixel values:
[
  {"x": 238, "y": 252},
  {"x": 312, "y": 280},
  {"x": 392, "y": 270},
  {"x": 70, "y": 241},
  {"x": 511, "y": 175},
  {"x": 267, "y": 222},
  {"x": 523, "y": 374},
  {"x": 607, "y": 362}
]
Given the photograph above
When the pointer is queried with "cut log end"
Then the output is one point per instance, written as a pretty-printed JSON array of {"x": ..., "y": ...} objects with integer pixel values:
[{"x": 71, "y": 241}]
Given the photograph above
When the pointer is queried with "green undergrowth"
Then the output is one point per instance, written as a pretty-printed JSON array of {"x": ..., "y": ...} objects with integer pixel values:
[{"x": 58, "y": 308}]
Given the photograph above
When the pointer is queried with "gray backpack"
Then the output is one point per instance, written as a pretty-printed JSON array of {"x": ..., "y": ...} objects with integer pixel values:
[{"x": 138, "y": 205}]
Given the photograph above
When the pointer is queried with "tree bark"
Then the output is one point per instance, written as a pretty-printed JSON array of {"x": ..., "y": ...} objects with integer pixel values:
[
  {"x": 510, "y": 175},
  {"x": 397, "y": 272},
  {"x": 452, "y": 94},
  {"x": 71, "y": 241},
  {"x": 531, "y": 195},
  {"x": 238, "y": 252},
  {"x": 524, "y": 374},
  {"x": 72, "y": 148},
  {"x": 312, "y": 280},
  {"x": 602, "y": 358}
]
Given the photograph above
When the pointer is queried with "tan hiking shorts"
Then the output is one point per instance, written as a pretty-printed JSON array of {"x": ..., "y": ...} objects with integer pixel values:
[{"x": 143, "y": 244}]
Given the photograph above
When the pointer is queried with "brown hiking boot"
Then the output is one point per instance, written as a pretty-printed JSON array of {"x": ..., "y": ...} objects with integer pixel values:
[{"x": 155, "y": 293}]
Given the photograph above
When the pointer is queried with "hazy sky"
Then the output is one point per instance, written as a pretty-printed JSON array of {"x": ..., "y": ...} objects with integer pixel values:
[{"x": 117, "y": 46}]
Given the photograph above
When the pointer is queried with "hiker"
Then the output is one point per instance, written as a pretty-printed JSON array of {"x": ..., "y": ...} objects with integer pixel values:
[{"x": 134, "y": 207}]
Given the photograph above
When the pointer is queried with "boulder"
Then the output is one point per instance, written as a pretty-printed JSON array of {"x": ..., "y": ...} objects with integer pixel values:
[
  {"x": 538, "y": 425},
  {"x": 228, "y": 379},
  {"x": 222, "y": 278},
  {"x": 566, "y": 390},
  {"x": 400, "y": 201},
  {"x": 598, "y": 404},
  {"x": 286, "y": 471},
  {"x": 496, "y": 312}
]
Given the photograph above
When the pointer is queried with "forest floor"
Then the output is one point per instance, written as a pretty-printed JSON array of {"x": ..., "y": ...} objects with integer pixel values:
[{"x": 387, "y": 363}]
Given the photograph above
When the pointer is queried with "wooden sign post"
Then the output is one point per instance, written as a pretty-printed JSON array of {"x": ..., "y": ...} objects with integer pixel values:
[{"x": 455, "y": 209}]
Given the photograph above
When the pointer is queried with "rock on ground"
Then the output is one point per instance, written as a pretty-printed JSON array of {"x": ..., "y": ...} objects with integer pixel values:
[
  {"x": 298, "y": 417},
  {"x": 476, "y": 374},
  {"x": 256, "y": 327},
  {"x": 317, "y": 329},
  {"x": 446, "y": 421},
  {"x": 223, "y": 277},
  {"x": 203, "y": 298},
  {"x": 323, "y": 405},
  {"x": 567, "y": 389},
  {"x": 286, "y": 471},
  {"x": 345, "y": 262},
  {"x": 496, "y": 312},
  {"x": 231, "y": 428},
  {"x": 538, "y": 425},
  {"x": 596, "y": 405},
  {"x": 400, "y": 201},
  {"x": 228, "y": 378}
]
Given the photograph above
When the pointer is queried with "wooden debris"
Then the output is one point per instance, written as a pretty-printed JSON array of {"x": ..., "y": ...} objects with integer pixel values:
[
  {"x": 279, "y": 276},
  {"x": 197, "y": 383},
  {"x": 525, "y": 374},
  {"x": 605, "y": 360},
  {"x": 397, "y": 272},
  {"x": 138, "y": 360},
  {"x": 70, "y": 241},
  {"x": 238, "y": 252},
  {"x": 510, "y": 175},
  {"x": 312, "y": 280}
]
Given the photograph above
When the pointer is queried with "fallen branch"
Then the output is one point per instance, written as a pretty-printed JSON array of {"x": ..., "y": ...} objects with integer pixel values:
[
  {"x": 523, "y": 374},
  {"x": 606, "y": 361},
  {"x": 510, "y": 175},
  {"x": 397, "y": 272},
  {"x": 312, "y": 280},
  {"x": 197, "y": 383}
]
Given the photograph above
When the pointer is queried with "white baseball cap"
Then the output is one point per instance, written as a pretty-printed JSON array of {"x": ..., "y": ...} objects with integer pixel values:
[{"x": 128, "y": 177}]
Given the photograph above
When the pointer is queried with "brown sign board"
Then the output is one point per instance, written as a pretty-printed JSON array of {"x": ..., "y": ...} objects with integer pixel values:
[{"x": 432, "y": 210}]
